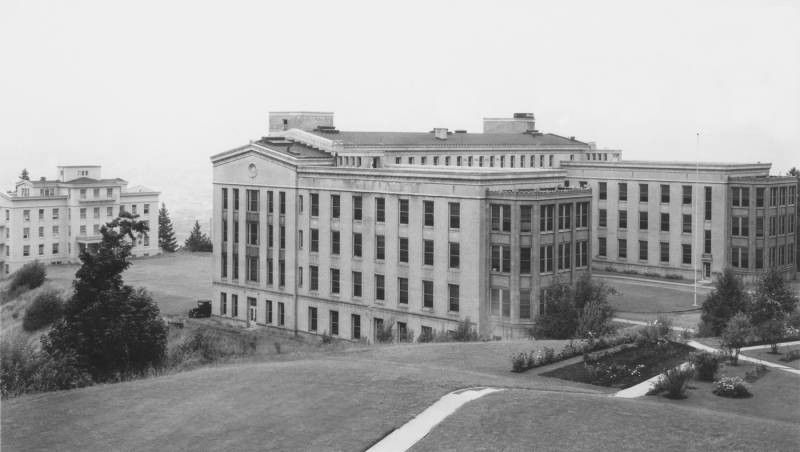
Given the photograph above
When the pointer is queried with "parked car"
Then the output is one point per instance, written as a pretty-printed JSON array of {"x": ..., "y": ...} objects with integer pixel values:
[{"x": 203, "y": 309}]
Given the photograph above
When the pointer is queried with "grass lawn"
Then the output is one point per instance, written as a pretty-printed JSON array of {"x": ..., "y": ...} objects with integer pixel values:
[
  {"x": 652, "y": 297},
  {"x": 534, "y": 420},
  {"x": 765, "y": 355}
]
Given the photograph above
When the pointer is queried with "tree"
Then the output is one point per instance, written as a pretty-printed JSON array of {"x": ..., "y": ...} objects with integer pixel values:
[
  {"x": 25, "y": 175},
  {"x": 198, "y": 241},
  {"x": 726, "y": 300},
  {"x": 737, "y": 332},
  {"x": 166, "y": 234},
  {"x": 594, "y": 310},
  {"x": 773, "y": 299},
  {"x": 560, "y": 317},
  {"x": 793, "y": 172},
  {"x": 110, "y": 328}
]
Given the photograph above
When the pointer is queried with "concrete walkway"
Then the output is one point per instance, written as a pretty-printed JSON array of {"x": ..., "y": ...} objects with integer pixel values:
[
  {"x": 414, "y": 430},
  {"x": 758, "y": 347},
  {"x": 703, "y": 347},
  {"x": 644, "y": 387},
  {"x": 677, "y": 329}
]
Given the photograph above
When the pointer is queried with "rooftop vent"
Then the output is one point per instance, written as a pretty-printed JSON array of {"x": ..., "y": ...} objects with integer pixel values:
[
  {"x": 440, "y": 133},
  {"x": 460, "y": 131},
  {"x": 523, "y": 115}
]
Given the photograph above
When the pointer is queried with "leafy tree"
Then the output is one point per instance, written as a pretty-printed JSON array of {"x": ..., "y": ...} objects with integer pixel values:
[
  {"x": 591, "y": 301},
  {"x": 737, "y": 332},
  {"x": 773, "y": 299},
  {"x": 726, "y": 300},
  {"x": 560, "y": 317},
  {"x": 25, "y": 175},
  {"x": 110, "y": 328},
  {"x": 166, "y": 234},
  {"x": 771, "y": 331},
  {"x": 197, "y": 241},
  {"x": 793, "y": 172}
]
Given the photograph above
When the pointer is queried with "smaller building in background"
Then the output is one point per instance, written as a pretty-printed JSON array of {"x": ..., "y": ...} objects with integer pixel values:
[{"x": 53, "y": 220}]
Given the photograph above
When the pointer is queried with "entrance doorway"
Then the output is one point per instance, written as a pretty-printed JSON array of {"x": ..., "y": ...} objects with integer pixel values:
[
  {"x": 251, "y": 310},
  {"x": 706, "y": 270}
]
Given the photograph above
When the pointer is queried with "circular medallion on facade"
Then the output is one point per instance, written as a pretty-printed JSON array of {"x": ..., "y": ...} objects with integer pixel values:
[{"x": 252, "y": 169}]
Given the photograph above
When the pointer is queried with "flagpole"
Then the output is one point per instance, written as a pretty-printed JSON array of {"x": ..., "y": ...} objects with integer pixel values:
[{"x": 696, "y": 216}]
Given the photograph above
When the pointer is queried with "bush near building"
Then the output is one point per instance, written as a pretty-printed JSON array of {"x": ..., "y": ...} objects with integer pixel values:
[
  {"x": 45, "y": 309},
  {"x": 580, "y": 311},
  {"x": 726, "y": 300}
]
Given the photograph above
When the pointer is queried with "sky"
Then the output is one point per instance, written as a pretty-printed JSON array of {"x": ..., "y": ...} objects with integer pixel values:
[{"x": 151, "y": 89}]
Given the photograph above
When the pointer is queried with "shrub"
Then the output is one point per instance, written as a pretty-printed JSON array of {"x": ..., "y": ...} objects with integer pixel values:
[
  {"x": 31, "y": 275},
  {"x": 205, "y": 346},
  {"x": 733, "y": 387},
  {"x": 704, "y": 329},
  {"x": 726, "y": 300},
  {"x": 673, "y": 382},
  {"x": 519, "y": 362},
  {"x": 737, "y": 333},
  {"x": 465, "y": 332},
  {"x": 384, "y": 333},
  {"x": 326, "y": 338},
  {"x": 23, "y": 370},
  {"x": 706, "y": 365},
  {"x": 45, "y": 309},
  {"x": 792, "y": 355},
  {"x": 753, "y": 375},
  {"x": 548, "y": 355}
]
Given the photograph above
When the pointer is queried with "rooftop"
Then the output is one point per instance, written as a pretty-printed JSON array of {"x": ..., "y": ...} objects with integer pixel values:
[
  {"x": 453, "y": 139},
  {"x": 668, "y": 164},
  {"x": 291, "y": 148}
]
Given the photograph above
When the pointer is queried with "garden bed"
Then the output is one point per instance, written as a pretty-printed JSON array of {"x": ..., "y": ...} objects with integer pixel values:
[{"x": 626, "y": 367}]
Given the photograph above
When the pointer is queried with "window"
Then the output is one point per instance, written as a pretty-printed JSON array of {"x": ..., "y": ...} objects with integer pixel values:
[
  {"x": 380, "y": 247},
  {"x": 602, "y": 190},
  {"x": 335, "y": 243},
  {"x": 525, "y": 260},
  {"x": 109, "y": 212},
  {"x": 664, "y": 222},
  {"x": 269, "y": 271},
  {"x": 642, "y": 250},
  {"x": 687, "y": 224},
  {"x": 281, "y": 272},
  {"x": 380, "y": 210},
  {"x": 760, "y": 257},
  {"x": 335, "y": 281},
  {"x": 453, "y": 297},
  {"x": 792, "y": 198},
  {"x": 524, "y": 304},
  {"x": 404, "y": 249},
  {"x": 314, "y": 205},
  {"x": 455, "y": 215},
  {"x": 427, "y": 207},
  {"x": 791, "y": 223},
  {"x": 41, "y": 214},
  {"x": 356, "y": 244},
  {"x": 82, "y": 230},
  {"x": 234, "y": 305},
  {"x": 403, "y": 211},
  {"x": 564, "y": 256},
  {"x": 525, "y": 218},
  {"x": 270, "y": 202},
  {"x": 427, "y": 294},
  {"x": 223, "y": 303},
  {"x": 41, "y": 231},
  {"x": 26, "y": 250},
  {"x": 546, "y": 214},
  {"x": 235, "y": 199},
  {"x": 739, "y": 257},
  {"x": 664, "y": 248},
  {"x": 707, "y": 241},
  {"x": 581, "y": 253},
  {"x": 95, "y": 212},
  {"x": 355, "y": 322},
  {"x": 740, "y": 196},
  {"x": 313, "y": 272},
  {"x": 427, "y": 252},
  {"x": 501, "y": 217},
  {"x": 335, "y": 206},
  {"x": 759, "y": 197},
  {"x": 236, "y": 231},
  {"x": 643, "y": 221},
  {"x": 623, "y": 191},
  {"x": 95, "y": 193},
  {"x": 55, "y": 214},
  {"x": 402, "y": 288},
  {"x": 282, "y": 237},
  {"x": 252, "y": 233},
  {"x": 314, "y": 240},
  {"x": 83, "y": 193},
  {"x": 82, "y": 214},
  {"x": 708, "y": 203},
  {"x": 740, "y": 226},
  {"x": 772, "y": 225},
  {"x": 623, "y": 219},
  {"x": 41, "y": 249},
  {"x": 546, "y": 259},
  {"x": 252, "y": 200},
  {"x": 357, "y": 208},
  {"x": 564, "y": 215},
  {"x": 299, "y": 276},
  {"x": 455, "y": 255},
  {"x": 357, "y": 284},
  {"x": 55, "y": 248},
  {"x": 281, "y": 313},
  {"x": 282, "y": 202},
  {"x": 622, "y": 248},
  {"x": 665, "y": 194},
  {"x": 601, "y": 246},
  {"x": 686, "y": 249},
  {"x": 95, "y": 230},
  {"x": 602, "y": 218},
  {"x": 270, "y": 236},
  {"x": 380, "y": 287},
  {"x": 55, "y": 230},
  {"x": 643, "y": 196},
  {"x": 224, "y": 264},
  {"x": 224, "y": 198},
  {"x": 334, "y": 323},
  {"x": 582, "y": 215},
  {"x": 687, "y": 194},
  {"x": 252, "y": 268}
]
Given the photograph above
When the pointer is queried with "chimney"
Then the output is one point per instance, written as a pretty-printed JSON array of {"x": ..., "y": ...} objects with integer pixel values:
[{"x": 440, "y": 133}]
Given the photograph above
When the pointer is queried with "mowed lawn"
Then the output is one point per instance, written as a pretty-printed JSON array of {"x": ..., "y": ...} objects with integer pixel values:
[
  {"x": 522, "y": 420},
  {"x": 345, "y": 401},
  {"x": 176, "y": 280}
]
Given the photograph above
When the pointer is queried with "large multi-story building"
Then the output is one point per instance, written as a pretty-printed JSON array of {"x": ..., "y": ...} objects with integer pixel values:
[
  {"x": 53, "y": 220},
  {"x": 325, "y": 231}
]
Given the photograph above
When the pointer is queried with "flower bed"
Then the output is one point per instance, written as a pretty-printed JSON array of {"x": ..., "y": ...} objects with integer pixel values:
[
  {"x": 521, "y": 362},
  {"x": 626, "y": 367}
]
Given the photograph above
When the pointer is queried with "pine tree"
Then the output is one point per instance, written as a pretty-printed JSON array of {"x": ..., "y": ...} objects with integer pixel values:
[
  {"x": 198, "y": 241},
  {"x": 25, "y": 175},
  {"x": 166, "y": 235}
]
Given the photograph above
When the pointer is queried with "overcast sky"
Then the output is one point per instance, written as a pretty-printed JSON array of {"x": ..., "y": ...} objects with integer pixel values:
[{"x": 150, "y": 90}]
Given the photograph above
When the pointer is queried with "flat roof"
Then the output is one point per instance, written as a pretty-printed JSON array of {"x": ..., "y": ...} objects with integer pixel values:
[
  {"x": 356, "y": 138},
  {"x": 292, "y": 148},
  {"x": 683, "y": 165}
]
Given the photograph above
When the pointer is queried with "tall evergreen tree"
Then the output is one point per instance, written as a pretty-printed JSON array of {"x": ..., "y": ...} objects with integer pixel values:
[
  {"x": 726, "y": 300},
  {"x": 25, "y": 175},
  {"x": 166, "y": 234},
  {"x": 198, "y": 241}
]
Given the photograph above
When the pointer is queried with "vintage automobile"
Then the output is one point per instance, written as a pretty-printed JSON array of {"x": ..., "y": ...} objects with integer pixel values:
[{"x": 203, "y": 309}]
